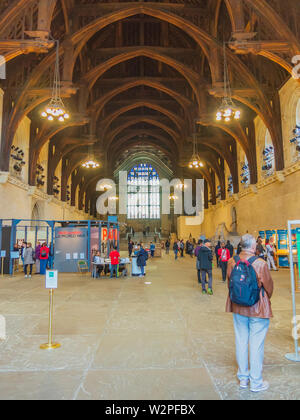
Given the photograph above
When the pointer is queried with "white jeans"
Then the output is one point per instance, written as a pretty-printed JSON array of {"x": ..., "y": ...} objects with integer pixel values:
[
  {"x": 250, "y": 332},
  {"x": 271, "y": 263}
]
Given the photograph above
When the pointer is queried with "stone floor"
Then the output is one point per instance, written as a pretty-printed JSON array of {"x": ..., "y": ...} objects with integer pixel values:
[{"x": 123, "y": 339}]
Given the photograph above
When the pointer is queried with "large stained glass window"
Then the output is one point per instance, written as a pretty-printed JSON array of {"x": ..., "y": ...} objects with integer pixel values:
[{"x": 143, "y": 193}]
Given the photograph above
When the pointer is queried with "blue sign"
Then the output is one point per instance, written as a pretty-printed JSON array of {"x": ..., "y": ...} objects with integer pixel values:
[
  {"x": 112, "y": 219},
  {"x": 15, "y": 255},
  {"x": 282, "y": 239},
  {"x": 3, "y": 254},
  {"x": 270, "y": 233}
]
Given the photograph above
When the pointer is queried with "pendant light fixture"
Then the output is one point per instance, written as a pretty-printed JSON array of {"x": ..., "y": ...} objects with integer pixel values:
[
  {"x": 228, "y": 110},
  {"x": 55, "y": 110},
  {"x": 195, "y": 161},
  {"x": 90, "y": 163}
]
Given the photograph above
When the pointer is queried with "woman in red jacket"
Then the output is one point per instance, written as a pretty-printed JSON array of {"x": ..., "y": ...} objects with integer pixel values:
[
  {"x": 44, "y": 256},
  {"x": 224, "y": 257}
]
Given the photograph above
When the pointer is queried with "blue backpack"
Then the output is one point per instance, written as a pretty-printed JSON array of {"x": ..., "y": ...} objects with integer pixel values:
[{"x": 243, "y": 286}]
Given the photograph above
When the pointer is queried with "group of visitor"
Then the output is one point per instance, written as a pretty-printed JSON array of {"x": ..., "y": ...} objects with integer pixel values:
[
  {"x": 141, "y": 255},
  {"x": 179, "y": 247},
  {"x": 41, "y": 256},
  {"x": 265, "y": 252},
  {"x": 113, "y": 268}
]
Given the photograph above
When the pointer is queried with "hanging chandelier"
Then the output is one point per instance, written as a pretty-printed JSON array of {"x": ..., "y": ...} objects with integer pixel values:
[
  {"x": 181, "y": 186},
  {"x": 195, "y": 161},
  {"x": 55, "y": 110},
  {"x": 228, "y": 110},
  {"x": 90, "y": 163}
]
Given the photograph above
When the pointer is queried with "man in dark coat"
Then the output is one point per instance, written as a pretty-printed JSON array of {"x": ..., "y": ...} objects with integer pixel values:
[
  {"x": 130, "y": 248},
  {"x": 230, "y": 248},
  {"x": 217, "y": 252},
  {"x": 205, "y": 258},
  {"x": 142, "y": 257}
]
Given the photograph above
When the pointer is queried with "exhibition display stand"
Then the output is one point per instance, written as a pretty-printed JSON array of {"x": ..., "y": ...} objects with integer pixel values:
[
  {"x": 295, "y": 357},
  {"x": 71, "y": 241},
  {"x": 281, "y": 239}
]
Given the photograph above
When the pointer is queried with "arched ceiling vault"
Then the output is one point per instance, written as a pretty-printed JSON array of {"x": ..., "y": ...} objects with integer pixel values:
[{"x": 139, "y": 74}]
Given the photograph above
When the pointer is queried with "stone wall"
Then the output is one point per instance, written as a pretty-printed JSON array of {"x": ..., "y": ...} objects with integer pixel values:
[
  {"x": 19, "y": 200},
  {"x": 268, "y": 205},
  {"x": 273, "y": 200}
]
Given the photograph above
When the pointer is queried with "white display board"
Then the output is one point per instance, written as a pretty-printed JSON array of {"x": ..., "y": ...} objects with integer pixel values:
[{"x": 51, "y": 279}]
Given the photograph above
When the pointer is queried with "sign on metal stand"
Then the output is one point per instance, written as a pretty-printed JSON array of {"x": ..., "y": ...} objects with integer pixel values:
[
  {"x": 294, "y": 357},
  {"x": 51, "y": 285},
  {"x": 13, "y": 257}
]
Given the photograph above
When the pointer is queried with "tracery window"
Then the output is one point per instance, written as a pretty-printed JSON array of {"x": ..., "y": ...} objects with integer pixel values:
[{"x": 143, "y": 192}]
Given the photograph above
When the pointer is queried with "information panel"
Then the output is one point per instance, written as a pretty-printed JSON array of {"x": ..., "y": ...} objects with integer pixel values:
[
  {"x": 282, "y": 239},
  {"x": 71, "y": 245},
  {"x": 298, "y": 249},
  {"x": 270, "y": 234},
  {"x": 51, "y": 279}
]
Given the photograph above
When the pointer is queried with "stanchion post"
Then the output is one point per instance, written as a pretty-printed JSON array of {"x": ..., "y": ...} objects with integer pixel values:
[
  {"x": 2, "y": 266},
  {"x": 50, "y": 345},
  {"x": 294, "y": 357},
  {"x": 51, "y": 275}
]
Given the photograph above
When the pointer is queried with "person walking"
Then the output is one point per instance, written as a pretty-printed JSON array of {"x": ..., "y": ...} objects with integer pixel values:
[
  {"x": 181, "y": 244},
  {"x": 190, "y": 249},
  {"x": 175, "y": 249},
  {"x": 167, "y": 247},
  {"x": 200, "y": 244},
  {"x": 37, "y": 257},
  {"x": 28, "y": 260},
  {"x": 44, "y": 256},
  {"x": 205, "y": 258},
  {"x": 224, "y": 257},
  {"x": 152, "y": 249},
  {"x": 198, "y": 262},
  {"x": 218, "y": 246},
  {"x": 51, "y": 256},
  {"x": 230, "y": 248},
  {"x": 22, "y": 252},
  {"x": 130, "y": 248},
  {"x": 260, "y": 250},
  {"x": 251, "y": 323},
  {"x": 115, "y": 260},
  {"x": 142, "y": 257},
  {"x": 270, "y": 255}
]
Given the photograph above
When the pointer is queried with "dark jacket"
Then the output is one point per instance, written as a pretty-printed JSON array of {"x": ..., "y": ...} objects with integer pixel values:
[
  {"x": 205, "y": 258},
  {"x": 230, "y": 248},
  {"x": 217, "y": 249},
  {"x": 142, "y": 257},
  {"x": 239, "y": 249}
]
